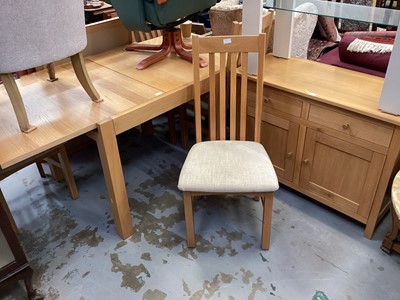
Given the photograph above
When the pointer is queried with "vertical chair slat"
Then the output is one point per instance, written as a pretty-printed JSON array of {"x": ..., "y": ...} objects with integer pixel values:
[
  {"x": 212, "y": 101},
  {"x": 142, "y": 36},
  {"x": 222, "y": 97},
  {"x": 243, "y": 97},
  {"x": 232, "y": 88}
]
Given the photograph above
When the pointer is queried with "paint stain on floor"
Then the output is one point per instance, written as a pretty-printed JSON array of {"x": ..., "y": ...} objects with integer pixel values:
[{"x": 133, "y": 277}]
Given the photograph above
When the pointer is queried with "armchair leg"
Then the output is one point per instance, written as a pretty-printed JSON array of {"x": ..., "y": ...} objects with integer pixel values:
[
  {"x": 165, "y": 48},
  {"x": 170, "y": 39},
  {"x": 17, "y": 102},
  {"x": 78, "y": 64},
  {"x": 180, "y": 49},
  {"x": 267, "y": 201},
  {"x": 188, "y": 205}
]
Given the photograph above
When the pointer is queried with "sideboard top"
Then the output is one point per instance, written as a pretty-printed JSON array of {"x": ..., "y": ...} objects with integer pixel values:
[{"x": 350, "y": 90}]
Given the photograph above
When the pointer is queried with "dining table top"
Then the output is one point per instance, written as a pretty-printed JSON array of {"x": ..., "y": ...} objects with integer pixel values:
[{"x": 61, "y": 110}]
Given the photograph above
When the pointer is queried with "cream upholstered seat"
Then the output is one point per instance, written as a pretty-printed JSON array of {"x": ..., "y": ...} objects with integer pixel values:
[
  {"x": 236, "y": 165},
  {"x": 228, "y": 167},
  {"x": 35, "y": 33}
]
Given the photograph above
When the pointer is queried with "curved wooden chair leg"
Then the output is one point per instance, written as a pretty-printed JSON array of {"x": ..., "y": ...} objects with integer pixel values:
[
  {"x": 17, "y": 102},
  {"x": 78, "y": 64}
]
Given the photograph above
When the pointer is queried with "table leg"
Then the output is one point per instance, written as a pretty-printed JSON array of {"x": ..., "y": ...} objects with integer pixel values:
[{"x": 112, "y": 169}]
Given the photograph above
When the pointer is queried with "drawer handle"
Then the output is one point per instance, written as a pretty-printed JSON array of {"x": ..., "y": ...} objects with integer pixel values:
[
  {"x": 306, "y": 161},
  {"x": 267, "y": 100},
  {"x": 289, "y": 154},
  {"x": 346, "y": 126}
]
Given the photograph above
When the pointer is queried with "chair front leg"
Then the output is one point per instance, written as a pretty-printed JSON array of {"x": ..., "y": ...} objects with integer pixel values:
[
  {"x": 17, "y": 102},
  {"x": 78, "y": 63},
  {"x": 188, "y": 205},
  {"x": 267, "y": 201}
]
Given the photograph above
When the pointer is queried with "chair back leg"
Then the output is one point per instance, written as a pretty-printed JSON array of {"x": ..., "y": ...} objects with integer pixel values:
[{"x": 78, "y": 64}]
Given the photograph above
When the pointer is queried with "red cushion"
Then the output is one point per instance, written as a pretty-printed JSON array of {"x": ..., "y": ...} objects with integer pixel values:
[{"x": 375, "y": 61}]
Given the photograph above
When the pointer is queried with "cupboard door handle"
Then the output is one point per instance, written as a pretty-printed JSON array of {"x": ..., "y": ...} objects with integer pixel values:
[
  {"x": 267, "y": 100},
  {"x": 289, "y": 154},
  {"x": 346, "y": 126},
  {"x": 306, "y": 161}
]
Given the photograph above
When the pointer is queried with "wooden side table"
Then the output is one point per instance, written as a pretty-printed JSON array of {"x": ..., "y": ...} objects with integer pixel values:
[
  {"x": 390, "y": 241},
  {"x": 13, "y": 263}
]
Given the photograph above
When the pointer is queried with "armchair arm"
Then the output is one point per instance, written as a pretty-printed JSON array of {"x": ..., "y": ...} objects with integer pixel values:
[{"x": 132, "y": 14}]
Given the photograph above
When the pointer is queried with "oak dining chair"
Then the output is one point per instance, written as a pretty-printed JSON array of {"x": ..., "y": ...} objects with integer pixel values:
[
  {"x": 228, "y": 163},
  {"x": 187, "y": 115}
]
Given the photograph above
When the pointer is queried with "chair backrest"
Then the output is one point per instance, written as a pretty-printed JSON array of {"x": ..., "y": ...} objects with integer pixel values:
[
  {"x": 140, "y": 36},
  {"x": 35, "y": 33},
  {"x": 266, "y": 25},
  {"x": 220, "y": 68},
  {"x": 303, "y": 28}
]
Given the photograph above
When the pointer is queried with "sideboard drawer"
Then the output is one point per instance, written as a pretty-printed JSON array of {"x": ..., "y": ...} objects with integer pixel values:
[
  {"x": 277, "y": 100},
  {"x": 355, "y": 126}
]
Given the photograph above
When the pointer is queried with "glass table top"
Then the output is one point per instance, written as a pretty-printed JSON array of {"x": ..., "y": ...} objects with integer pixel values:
[{"x": 376, "y": 15}]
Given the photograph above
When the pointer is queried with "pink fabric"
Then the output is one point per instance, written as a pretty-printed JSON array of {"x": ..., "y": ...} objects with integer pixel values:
[
  {"x": 375, "y": 61},
  {"x": 332, "y": 58}
]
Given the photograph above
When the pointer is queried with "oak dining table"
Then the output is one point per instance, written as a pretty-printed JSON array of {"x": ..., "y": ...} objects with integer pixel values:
[{"x": 62, "y": 111}]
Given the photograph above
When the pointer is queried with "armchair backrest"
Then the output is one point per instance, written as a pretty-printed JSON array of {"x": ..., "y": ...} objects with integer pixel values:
[
  {"x": 38, "y": 32},
  {"x": 138, "y": 14}
]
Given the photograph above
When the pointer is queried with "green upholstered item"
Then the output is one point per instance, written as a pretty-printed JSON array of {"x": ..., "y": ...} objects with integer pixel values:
[
  {"x": 147, "y": 15},
  {"x": 138, "y": 14}
]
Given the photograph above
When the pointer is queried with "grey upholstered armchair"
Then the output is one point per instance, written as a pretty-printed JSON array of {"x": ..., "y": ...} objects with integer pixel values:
[
  {"x": 147, "y": 15},
  {"x": 35, "y": 33}
]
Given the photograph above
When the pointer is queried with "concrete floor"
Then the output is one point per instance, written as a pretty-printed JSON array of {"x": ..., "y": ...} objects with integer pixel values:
[{"x": 315, "y": 254}]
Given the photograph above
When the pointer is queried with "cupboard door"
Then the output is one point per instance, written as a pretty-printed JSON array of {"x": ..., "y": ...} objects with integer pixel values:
[
  {"x": 279, "y": 138},
  {"x": 343, "y": 174}
]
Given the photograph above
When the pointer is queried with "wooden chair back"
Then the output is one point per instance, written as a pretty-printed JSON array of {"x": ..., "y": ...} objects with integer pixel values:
[
  {"x": 223, "y": 54},
  {"x": 140, "y": 36},
  {"x": 266, "y": 26}
]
